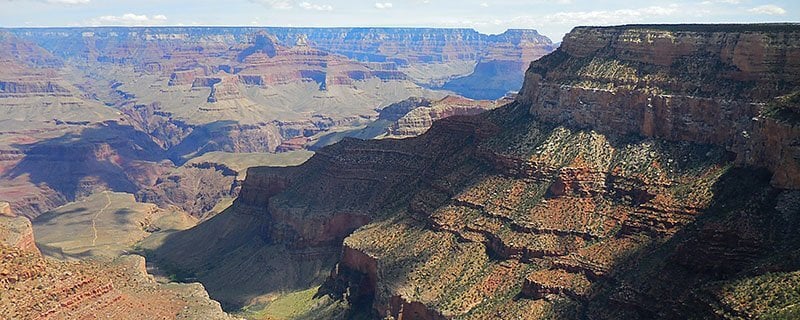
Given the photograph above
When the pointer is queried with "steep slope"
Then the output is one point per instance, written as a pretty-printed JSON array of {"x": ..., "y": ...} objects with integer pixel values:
[
  {"x": 692, "y": 83},
  {"x": 574, "y": 201},
  {"x": 204, "y": 183}
]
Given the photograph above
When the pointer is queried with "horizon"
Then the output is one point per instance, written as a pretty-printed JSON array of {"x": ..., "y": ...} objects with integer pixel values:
[
  {"x": 553, "y": 20},
  {"x": 785, "y": 23}
]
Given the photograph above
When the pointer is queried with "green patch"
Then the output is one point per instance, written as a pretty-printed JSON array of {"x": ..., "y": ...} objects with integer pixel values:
[
  {"x": 297, "y": 305},
  {"x": 770, "y": 296},
  {"x": 785, "y": 109}
]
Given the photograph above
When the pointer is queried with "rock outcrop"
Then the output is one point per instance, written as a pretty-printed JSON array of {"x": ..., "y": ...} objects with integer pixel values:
[
  {"x": 47, "y": 289},
  {"x": 16, "y": 232}
]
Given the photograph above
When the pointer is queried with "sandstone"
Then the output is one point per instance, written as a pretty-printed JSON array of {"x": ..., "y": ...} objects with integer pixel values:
[{"x": 5, "y": 209}]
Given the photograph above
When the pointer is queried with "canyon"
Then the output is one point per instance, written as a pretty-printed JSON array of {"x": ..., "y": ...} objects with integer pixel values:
[
  {"x": 643, "y": 171},
  {"x": 124, "y": 109},
  {"x": 115, "y": 139}
]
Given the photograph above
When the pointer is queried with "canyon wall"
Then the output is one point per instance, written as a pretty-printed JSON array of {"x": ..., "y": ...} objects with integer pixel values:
[
  {"x": 400, "y": 45},
  {"x": 682, "y": 83},
  {"x": 431, "y": 57}
]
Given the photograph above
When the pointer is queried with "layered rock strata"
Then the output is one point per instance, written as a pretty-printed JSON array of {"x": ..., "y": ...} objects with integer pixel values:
[
  {"x": 560, "y": 204},
  {"x": 697, "y": 84}
]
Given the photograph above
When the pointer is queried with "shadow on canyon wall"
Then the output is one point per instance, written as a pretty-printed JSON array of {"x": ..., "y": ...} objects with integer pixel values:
[{"x": 111, "y": 156}]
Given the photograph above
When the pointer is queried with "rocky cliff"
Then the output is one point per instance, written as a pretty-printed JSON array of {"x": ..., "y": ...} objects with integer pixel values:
[
  {"x": 502, "y": 66},
  {"x": 16, "y": 232},
  {"x": 566, "y": 203},
  {"x": 681, "y": 83}
]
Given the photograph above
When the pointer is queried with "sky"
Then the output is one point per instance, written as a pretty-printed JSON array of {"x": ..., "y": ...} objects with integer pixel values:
[{"x": 552, "y": 18}]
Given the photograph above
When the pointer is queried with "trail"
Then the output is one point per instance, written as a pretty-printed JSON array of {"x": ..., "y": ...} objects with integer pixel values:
[{"x": 94, "y": 219}]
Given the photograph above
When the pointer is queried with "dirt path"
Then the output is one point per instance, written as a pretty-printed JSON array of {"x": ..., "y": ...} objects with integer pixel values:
[{"x": 94, "y": 223}]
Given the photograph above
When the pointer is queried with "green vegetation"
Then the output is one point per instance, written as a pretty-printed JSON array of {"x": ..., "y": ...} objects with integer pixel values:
[
  {"x": 297, "y": 305},
  {"x": 771, "y": 295},
  {"x": 785, "y": 109}
]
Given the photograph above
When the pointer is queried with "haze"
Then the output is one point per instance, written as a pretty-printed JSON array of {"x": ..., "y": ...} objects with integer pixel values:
[{"x": 551, "y": 18}]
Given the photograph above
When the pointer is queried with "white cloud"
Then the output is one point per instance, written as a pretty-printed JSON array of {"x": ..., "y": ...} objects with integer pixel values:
[
  {"x": 275, "y": 4},
  {"x": 605, "y": 17},
  {"x": 707, "y": 2},
  {"x": 383, "y": 5},
  {"x": 318, "y": 7},
  {"x": 768, "y": 9},
  {"x": 484, "y": 4},
  {"x": 128, "y": 19}
]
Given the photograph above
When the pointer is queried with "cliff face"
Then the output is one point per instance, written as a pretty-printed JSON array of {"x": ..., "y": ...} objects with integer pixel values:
[
  {"x": 502, "y": 67},
  {"x": 16, "y": 232},
  {"x": 38, "y": 288},
  {"x": 607, "y": 194},
  {"x": 679, "y": 83}
]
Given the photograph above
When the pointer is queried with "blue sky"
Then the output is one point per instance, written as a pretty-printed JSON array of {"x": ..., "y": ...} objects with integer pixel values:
[{"x": 552, "y": 18}]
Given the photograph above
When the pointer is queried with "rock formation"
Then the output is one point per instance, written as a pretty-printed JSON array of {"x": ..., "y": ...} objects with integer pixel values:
[
  {"x": 418, "y": 120},
  {"x": 16, "y": 231},
  {"x": 615, "y": 186},
  {"x": 502, "y": 67},
  {"x": 443, "y": 54}
]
